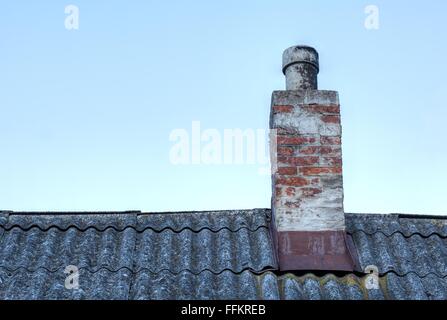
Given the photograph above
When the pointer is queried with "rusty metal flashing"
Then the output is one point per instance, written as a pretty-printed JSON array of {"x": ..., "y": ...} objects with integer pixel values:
[{"x": 314, "y": 251}]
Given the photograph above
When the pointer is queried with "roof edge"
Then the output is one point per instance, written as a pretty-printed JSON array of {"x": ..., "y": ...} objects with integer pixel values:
[{"x": 400, "y": 216}]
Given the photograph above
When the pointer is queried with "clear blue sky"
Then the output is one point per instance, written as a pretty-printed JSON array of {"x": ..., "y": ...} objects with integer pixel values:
[{"x": 86, "y": 114}]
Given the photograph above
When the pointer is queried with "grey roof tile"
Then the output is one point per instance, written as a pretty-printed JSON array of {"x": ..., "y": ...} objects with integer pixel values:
[
  {"x": 247, "y": 285},
  {"x": 390, "y": 224},
  {"x": 144, "y": 285},
  {"x": 188, "y": 286},
  {"x": 43, "y": 284},
  {"x": 3, "y": 218},
  {"x": 196, "y": 221},
  {"x": 54, "y": 249},
  {"x": 413, "y": 287},
  {"x": 381, "y": 243},
  {"x": 177, "y": 221},
  {"x": 87, "y": 241},
  {"x": 204, "y": 250},
  {"x": 81, "y": 221},
  {"x": 207, "y": 255}
]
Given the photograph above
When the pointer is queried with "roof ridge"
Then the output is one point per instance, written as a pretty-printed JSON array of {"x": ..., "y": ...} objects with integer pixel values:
[
  {"x": 396, "y": 216},
  {"x": 138, "y": 230},
  {"x": 258, "y": 272},
  {"x": 404, "y": 234},
  {"x": 138, "y": 212},
  {"x": 62, "y": 213}
]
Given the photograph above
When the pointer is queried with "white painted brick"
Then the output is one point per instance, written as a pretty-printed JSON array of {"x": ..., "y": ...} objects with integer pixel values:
[{"x": 310, "y": 219}]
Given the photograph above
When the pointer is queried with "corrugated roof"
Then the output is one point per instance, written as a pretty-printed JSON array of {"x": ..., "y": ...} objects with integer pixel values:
[
  {"x": 406, "y": 225},
  {"x": 176, "y": 221},
  {"x": 207, "y": 255},
  {"x": 214, "y": 241},
  {"x": 400, "y": 244},
  {"x": 123, "y": 285}
]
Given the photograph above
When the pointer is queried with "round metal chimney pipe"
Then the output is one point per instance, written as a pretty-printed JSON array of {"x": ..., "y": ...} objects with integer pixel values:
[{"x": 300, "y": 65}]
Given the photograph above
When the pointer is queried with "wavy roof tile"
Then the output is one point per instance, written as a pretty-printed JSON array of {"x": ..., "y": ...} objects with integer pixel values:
[{"x": 209, "y": 255}]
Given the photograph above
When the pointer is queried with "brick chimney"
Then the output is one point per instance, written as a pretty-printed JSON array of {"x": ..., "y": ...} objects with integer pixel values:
[{"x": 307, "y": 203}]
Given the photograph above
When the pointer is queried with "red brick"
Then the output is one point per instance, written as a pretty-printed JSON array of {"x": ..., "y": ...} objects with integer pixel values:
[
  {"x": 315, "y": 171},
  {"x": 326, "y": 150},
  {"x": 332, "y": 161},
  {"x": 286, "y": 151},
  {"x": 330, "y": 140},
  {"x": 284, "y": 141},
  {"x": 330, "y": 150},
  {"x": 283, "y": 109},
  {"x": 330, "y": 119},
  {"x": 323, "y": 108},
  {"x": 287, "y": 171},
  {"x": 310, "y": 150},
  {"x": 298, "y": 161},
  {"x": 292, "y": 182}
]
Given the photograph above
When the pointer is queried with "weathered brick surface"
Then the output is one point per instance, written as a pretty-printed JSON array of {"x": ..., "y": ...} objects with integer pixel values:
[
  {"x": 294, "y": 140},
  {"x": 330, "y": 140},
  {"x": 298, "y": 161},
  {"x": 317, "y": 171},
  {"x": 284, "y": 109},
  {"x": 288, "y": 171},
  {"x": 308, "y": 179},
  {"x": 329, "y": 109},
  {"x": 286, "y": 151},
  {"x": 330, "y": 119}
]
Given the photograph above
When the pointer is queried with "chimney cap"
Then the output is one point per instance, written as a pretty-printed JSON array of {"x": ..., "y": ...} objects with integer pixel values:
[{"x": 300, "y": 54}]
